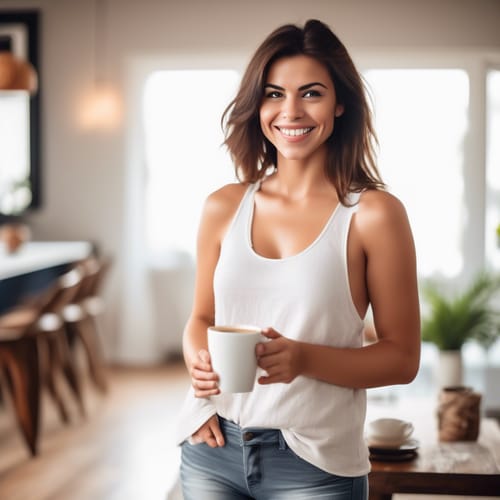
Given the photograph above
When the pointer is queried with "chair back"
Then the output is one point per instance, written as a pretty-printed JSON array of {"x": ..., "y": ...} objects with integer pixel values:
[{"x": 66, "y": 288}]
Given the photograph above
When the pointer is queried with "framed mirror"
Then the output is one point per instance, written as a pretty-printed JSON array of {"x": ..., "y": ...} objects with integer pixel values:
[{"x": 20, "y": 166}]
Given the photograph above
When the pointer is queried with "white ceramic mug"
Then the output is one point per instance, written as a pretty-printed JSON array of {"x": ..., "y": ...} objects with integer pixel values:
[
  {"x": 232, "y": 351},
  {"x": 389, "y": 431}
]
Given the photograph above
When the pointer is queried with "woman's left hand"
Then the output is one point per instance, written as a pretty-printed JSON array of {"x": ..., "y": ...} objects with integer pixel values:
[{"x": 280, "y": 358}]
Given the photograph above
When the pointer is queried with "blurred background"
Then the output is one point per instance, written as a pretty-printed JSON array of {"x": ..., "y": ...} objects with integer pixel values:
[{"x": 130, "y": 95}]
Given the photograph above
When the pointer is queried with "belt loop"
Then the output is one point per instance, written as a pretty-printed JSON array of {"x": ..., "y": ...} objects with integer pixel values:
[{"x": 282, "y": 442}]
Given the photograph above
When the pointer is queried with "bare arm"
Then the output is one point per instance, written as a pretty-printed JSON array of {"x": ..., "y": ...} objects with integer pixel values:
[
  {"x": 382, "y": 230},
  {"x": 217, "y": 214}
]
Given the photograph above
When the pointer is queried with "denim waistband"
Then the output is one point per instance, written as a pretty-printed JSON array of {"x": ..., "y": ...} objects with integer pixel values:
[{"x": 251, "y": 436}]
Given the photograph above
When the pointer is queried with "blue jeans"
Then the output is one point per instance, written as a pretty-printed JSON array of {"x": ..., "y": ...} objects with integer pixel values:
[{"x": 258, "y": 464}]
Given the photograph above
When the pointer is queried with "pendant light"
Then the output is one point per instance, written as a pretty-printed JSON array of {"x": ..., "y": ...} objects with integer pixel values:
[
  {"x": 101, "y": 106},
  {"x": 16, "y": 73}
]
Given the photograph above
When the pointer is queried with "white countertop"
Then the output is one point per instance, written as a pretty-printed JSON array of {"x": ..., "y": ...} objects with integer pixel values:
[{"x": 37, "y": 255}]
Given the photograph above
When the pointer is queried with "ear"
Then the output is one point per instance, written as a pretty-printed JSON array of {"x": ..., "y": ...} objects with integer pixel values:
[{"x": 339, "y": 110}]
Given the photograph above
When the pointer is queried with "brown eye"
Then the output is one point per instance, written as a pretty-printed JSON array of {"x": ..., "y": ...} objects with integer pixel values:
[{"x": 312, "y": 93}]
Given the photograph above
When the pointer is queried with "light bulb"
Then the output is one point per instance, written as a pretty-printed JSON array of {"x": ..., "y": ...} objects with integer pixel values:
[{"x": 100, "y": 109}]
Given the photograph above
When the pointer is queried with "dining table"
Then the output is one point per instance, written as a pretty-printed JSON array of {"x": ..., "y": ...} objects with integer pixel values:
[
  {"x": 34, "y": 265},
  {"x": 465, "y": 468}
]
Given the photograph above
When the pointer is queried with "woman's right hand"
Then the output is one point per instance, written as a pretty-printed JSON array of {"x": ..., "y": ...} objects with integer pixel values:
[
  {"x": 209, "y": 433},
  {"x": 203, "y": 379}
]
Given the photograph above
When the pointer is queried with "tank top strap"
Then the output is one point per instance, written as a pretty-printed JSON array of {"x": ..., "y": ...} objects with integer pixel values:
[
  {"x": 238, "y": 228},
  {"x": 246, "y": 205},
  {"x": 348, "y": 210}
]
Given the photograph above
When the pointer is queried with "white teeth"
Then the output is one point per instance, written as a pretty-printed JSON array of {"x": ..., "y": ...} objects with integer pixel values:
[{"x": 293, "y": 132}]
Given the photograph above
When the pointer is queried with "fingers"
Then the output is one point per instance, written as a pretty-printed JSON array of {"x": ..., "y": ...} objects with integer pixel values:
[
  {"x": 266, "y": 348},
  {"x": 203, "y": 379},
  {"x": 280, "y": 358},
  {"x": 201, "y": 392},
  {"x": 273, "y": 378},
  {"x": 209, "y": 439},
  {"x": 269, "y": 362},
  {"x": 272, "y": 353},
  {"x": 274, "y": 371},
  {"x": 202, "y": 362},
  {"x": 270, "y": 333},
  {"x": 216, "y": 432},
  {"x": 203, "y": 375},
  {"x": 205, "y": 388},
  {"x": 209, "y": 433},
  {"x": 268, "y": 380}
]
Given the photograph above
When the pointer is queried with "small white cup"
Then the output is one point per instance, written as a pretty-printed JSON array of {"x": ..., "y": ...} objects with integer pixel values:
[
  {"x": 389, "y": 432},
  {"x": 232, "y": 351}
]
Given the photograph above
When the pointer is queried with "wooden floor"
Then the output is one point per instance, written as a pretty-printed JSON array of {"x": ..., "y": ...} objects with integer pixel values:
[{"x": 123, "y": 450}]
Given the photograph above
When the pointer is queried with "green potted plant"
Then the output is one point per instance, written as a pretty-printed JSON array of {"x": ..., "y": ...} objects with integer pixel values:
[{"x": 453, "y": 320}]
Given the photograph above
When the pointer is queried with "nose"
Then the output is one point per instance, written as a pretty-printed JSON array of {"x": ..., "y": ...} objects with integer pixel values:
[{"x": 292, "y": 108}]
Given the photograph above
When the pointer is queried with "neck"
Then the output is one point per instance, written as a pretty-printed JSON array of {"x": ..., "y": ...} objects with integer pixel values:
[{"x": 297, "y": 179}]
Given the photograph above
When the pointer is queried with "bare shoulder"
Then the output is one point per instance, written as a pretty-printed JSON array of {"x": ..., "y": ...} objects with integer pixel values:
[
  {"x": 225, "y": 201},
  {"x": 220, "y": 208},
  {"x": 377, "y": 207},
  {"x": 381, "y": 215}
]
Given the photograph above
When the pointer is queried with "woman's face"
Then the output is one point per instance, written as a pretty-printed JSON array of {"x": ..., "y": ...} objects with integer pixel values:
[{"x": 299, "y": 107}]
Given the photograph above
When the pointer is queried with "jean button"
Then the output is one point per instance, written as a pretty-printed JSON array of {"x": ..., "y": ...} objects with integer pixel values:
[{"x": 247, "y": 436}]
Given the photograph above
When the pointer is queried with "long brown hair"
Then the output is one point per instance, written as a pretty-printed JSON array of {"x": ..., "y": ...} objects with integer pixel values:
[{"x": 351, "y": 162}]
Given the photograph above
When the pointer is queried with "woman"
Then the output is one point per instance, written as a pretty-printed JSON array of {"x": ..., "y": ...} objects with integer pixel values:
[{"x": 302, "y": 246}]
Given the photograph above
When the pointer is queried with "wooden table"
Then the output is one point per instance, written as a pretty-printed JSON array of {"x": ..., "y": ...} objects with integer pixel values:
[
  {"x": 37, "y": 255},
  {"x": 459, "y": 468},
  {"x": 34, "y": 265}
]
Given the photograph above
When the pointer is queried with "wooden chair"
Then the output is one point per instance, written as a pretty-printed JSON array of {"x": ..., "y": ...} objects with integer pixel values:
[
  {"x": 34, "y": 353},
  {"x": 60, "y": 362},
  {"x": 81, "y": 318},
  {"x": 20, "y": 364}
]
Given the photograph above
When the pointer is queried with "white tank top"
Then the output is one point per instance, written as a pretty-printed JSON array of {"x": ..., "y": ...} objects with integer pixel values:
[{"x": 305, "y": 297}]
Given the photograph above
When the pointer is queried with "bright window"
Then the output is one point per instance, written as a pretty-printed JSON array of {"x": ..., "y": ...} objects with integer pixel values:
[
  {"x": 421, "y": 121},
  {"x": 15, "y": 194},
  {"x": 493, "y": 169},
  {"x": 184, "y": 157}
]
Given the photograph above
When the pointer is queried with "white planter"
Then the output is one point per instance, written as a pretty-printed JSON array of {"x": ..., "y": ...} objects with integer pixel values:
[{"x": 450, "y": 369}]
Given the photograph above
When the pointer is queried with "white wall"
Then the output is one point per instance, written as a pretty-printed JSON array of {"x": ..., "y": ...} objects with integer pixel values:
[{"x": 84, "y": 172}]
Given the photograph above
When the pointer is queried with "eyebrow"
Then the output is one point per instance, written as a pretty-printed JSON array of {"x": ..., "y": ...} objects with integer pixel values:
[{"x": 303, "y": 87}]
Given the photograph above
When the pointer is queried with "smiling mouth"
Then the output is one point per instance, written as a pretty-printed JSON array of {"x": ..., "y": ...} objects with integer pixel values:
[{"x": 295, "y": 132}]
